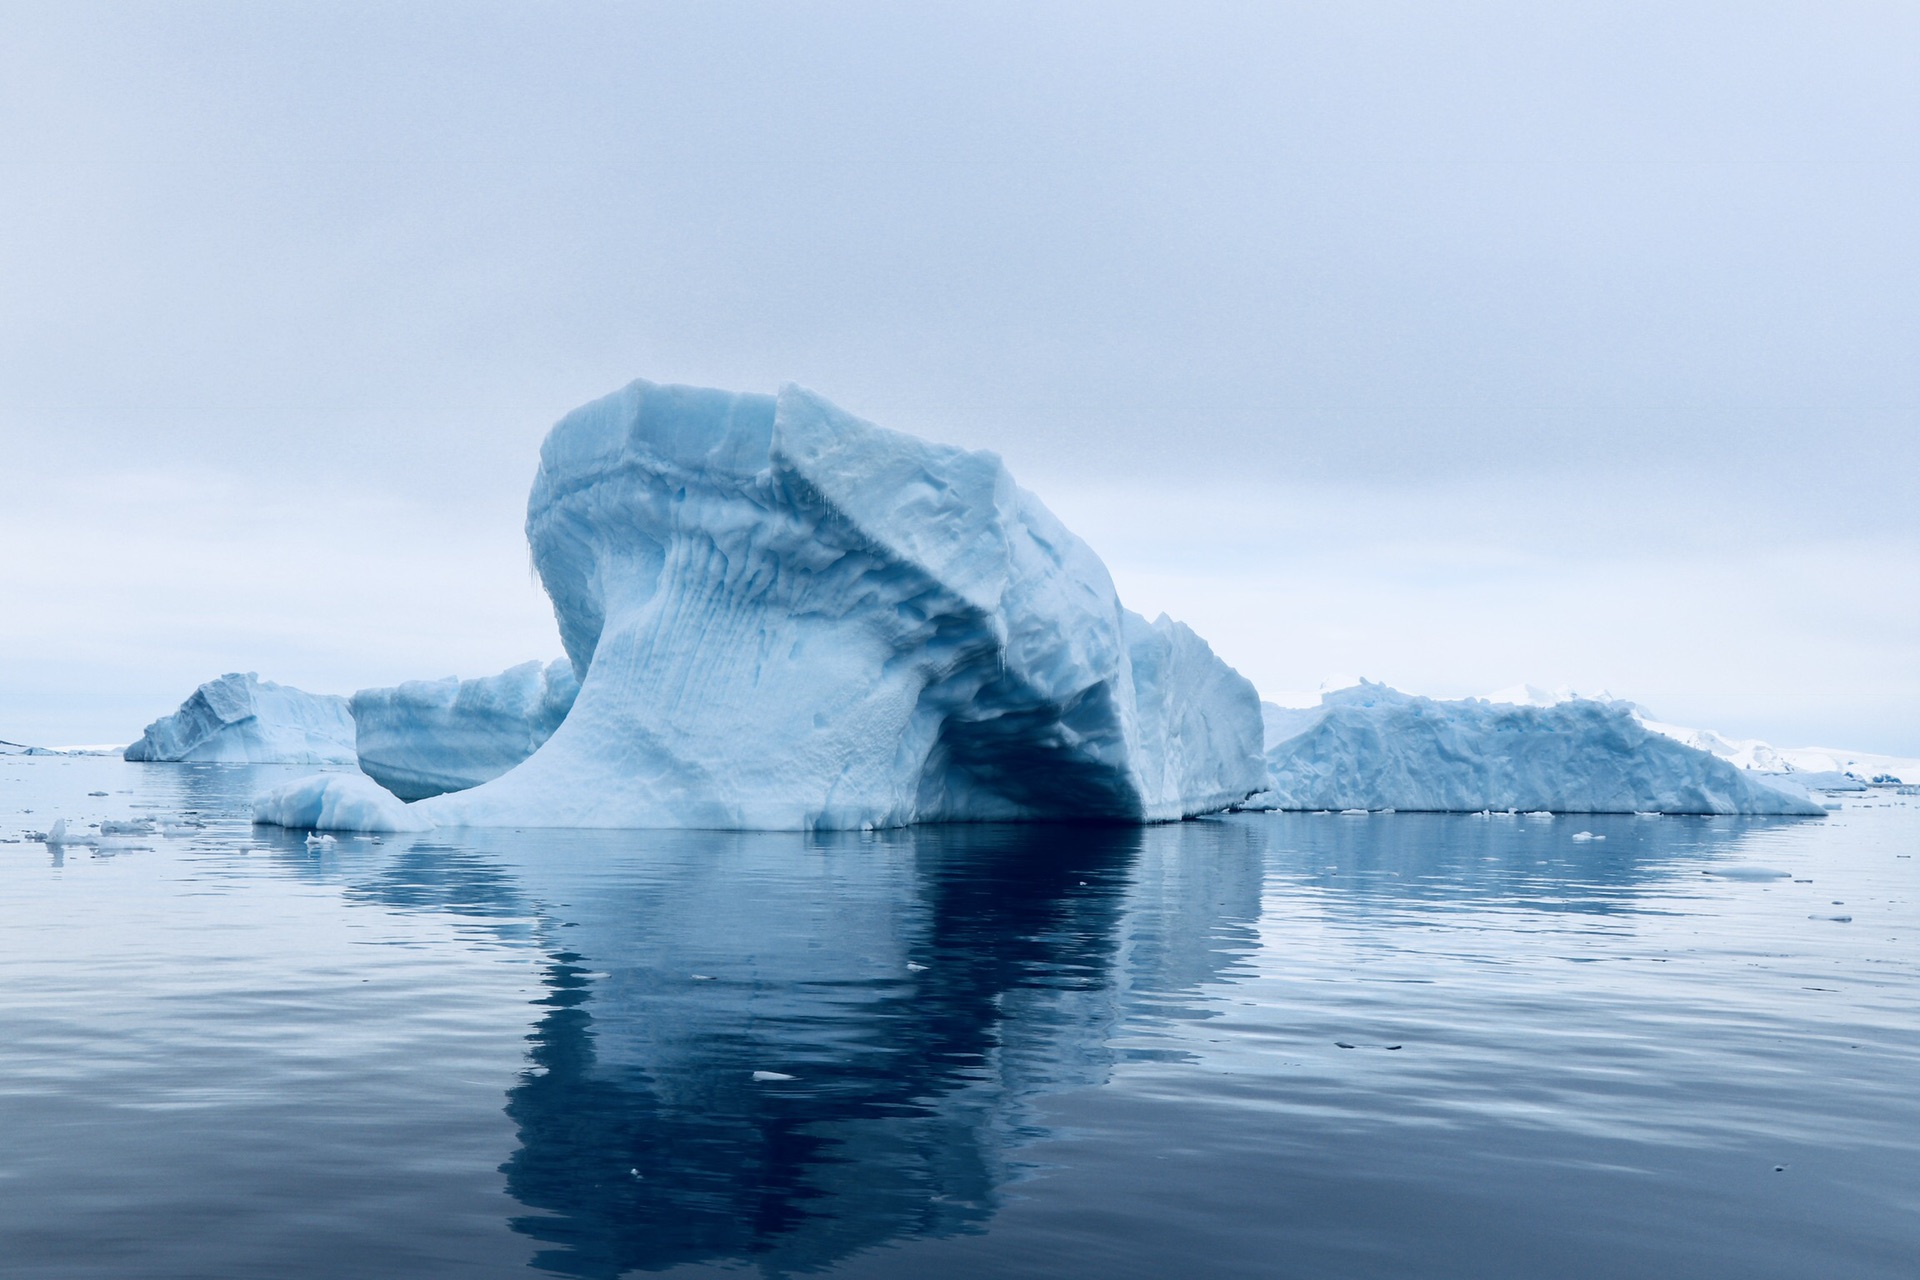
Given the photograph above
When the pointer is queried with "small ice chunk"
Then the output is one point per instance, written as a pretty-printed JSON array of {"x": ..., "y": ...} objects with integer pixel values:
[
  {"x": 763, "y": 1077},
  {"x": 1587, "y": 835},
  {"x": 337, "y": 802}
]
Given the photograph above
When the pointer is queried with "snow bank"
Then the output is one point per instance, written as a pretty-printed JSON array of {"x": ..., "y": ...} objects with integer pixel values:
[
  {"x": 428, "y": 737},
  {"x": 336, "y": 802},
  {"x": 789, "y": 618},
  {"x": 1372, "y": 747},
  {"x": 242, "y": 719}
]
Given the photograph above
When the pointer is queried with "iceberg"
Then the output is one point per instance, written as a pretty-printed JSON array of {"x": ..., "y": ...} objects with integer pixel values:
[
  {"x": 789, "y": 618},
  {"x": 242, "y": 719},
  {"x": 1819, "y": 768},
  {"x": 428, "y": 737},
  {"x": 1375, "y": 748}
]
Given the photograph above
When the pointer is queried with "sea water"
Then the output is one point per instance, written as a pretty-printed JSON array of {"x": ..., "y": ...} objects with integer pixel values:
[{"x": 1260, "y": 1045}]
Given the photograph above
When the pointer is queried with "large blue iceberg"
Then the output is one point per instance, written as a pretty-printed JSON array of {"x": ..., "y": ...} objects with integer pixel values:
[
  {"x": 1375, "y": 748},
  {"x": 787, "y": 618}
]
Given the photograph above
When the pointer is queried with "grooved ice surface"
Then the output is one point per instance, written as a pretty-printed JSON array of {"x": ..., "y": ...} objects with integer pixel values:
[
  {"x": 1371, "y": 747},
  {"x": 242, "y": 719},
  {"x": 427, "y": 737},
  {"x": 791, "y": 619}
]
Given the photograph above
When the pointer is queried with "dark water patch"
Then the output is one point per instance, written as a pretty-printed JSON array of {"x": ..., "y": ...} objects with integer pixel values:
[{"x": 1257, "y": 1046}]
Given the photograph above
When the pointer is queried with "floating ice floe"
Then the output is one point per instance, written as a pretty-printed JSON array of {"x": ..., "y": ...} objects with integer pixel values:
[
  {"x": 242, "y": 719},
  {"x": 788, "y": 618},
  {"x": 1371, "y": 747},
  {"x": 428, "y": 737},
  {"x": 336, "y": 801}
]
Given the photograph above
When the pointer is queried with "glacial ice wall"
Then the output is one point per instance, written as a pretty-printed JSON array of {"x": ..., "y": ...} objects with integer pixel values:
[
  {"x": 1371, "y": 747},
  {"x": 242, "y": 719},
  {"x": 428, "y": 737},
  {"x": 788, "y": 618}
]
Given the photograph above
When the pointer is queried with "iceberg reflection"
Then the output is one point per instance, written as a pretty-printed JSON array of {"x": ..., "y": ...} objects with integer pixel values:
[{"x": 783, "y": 1051}]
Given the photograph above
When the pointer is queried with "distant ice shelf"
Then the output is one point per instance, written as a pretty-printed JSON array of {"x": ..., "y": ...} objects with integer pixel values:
[{"x": 788, "y": 618}]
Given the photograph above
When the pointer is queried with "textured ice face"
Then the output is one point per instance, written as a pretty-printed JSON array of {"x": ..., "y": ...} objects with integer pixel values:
[
  {"x": 242, "y": 719},
  {"x": 789, "y": 618},
  {"x": 427, "y": 737},
  {"x": 1371, "y": 747}
]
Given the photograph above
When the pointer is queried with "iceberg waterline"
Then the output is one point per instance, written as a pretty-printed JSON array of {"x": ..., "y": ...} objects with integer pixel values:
[
  {"x": 788, "y": 618},
  {"x": 1372, "y": 748}
]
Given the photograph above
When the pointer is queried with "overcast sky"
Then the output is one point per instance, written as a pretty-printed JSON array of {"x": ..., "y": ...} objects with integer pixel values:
[{"x": 1450, "y": 345}]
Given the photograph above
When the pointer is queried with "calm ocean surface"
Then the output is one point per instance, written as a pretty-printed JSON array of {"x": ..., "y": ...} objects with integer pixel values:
[{"x": 1268, "y": 1045}]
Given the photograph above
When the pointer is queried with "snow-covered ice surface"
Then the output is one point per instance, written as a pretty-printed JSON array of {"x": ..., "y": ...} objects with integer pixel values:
[
  {"x": 242, "y": 719},
  {"x": 792, "y": 619},
  {"x": 1837, "y": 764},
  {"x": 1375, "y": 748},
  {"x": 427, "y": 737},
  {"x": 1820, "y": 767}
]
